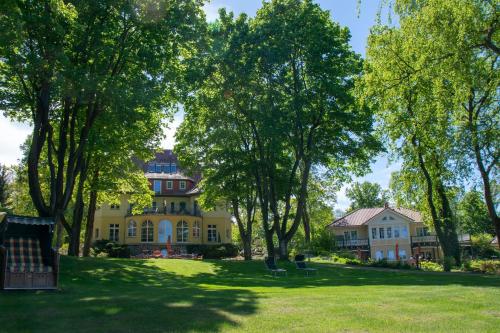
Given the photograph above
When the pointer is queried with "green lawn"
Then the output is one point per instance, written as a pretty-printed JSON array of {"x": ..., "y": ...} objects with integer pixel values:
[{"x": 114, "y": 295}]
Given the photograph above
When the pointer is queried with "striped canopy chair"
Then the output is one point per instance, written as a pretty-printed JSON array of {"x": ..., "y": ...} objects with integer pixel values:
[{"x": 27, "y": 260}]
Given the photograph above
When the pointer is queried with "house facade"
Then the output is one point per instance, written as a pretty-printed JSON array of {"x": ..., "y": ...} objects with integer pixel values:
[
  {"x": 387, "y": 233},
  {"x": 174, "y": 216}
]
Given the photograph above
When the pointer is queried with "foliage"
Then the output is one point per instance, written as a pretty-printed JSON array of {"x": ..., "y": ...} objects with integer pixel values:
[
  {"x": 366, "y": 195},
  {"x": 4, "y": 186},
  {"x": 66, "y": 66},
  {"x": 482, "y": 266},
  {"x": 111, "y": 249},
  {"x": 214, "y": 251},
  {"x": 473, "y": 215},
  {"x": 431, "y": 266},
  {"x": 481, "y": 246}
]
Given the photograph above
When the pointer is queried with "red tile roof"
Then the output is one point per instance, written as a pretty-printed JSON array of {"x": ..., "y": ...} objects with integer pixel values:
[{"x": 361, "y": 216}]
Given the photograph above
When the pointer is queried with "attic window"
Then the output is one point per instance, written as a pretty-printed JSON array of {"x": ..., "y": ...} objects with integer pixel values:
[
  {"x": 385, "y": 218},
  {"x": 391, "y": 218}
]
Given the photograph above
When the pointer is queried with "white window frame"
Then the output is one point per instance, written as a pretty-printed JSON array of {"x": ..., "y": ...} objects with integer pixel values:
[
  {"x": 402, "y": 254},
  {"x": 132, "y": 229},
  {"x": 182, "y": 230},
  {"x": 379, "y": 255},
  {"x": 381, "y": 233},
  {"x": 404, "y": 232},
  {"x": 170, "y": 184},
  {"x": 146, "y": 226},
  {"x": 212, "y": 233},
  {"x": 391, "y": 255},
  {"x": 396, "y": 232},
  {"x": 114, "y": 232},
  {"x": 389, "y": 232},
  {"x": 182, "y": 185},
  {"x": 374, "y": 233},
  {"x": 196, "y": 229}
]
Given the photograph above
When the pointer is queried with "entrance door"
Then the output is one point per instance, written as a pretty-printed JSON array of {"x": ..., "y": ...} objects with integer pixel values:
[{"x": 164, "y": 232}]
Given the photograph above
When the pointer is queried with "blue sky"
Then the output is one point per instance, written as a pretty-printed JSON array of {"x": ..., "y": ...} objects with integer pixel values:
[{"x": 346, "y": 12}]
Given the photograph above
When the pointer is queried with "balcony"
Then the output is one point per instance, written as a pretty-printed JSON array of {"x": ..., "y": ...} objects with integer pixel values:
[
  {"x": 424, "y": 240},
  {"x": 164, "y": 211},
  {"x": 352, "y": 243}
]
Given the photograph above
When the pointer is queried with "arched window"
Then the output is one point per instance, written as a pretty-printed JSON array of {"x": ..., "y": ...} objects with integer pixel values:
[
  {"x": 132, "y": 228},
  {"x": 147, "y": 232},
  {"x": 182, "y": 231},
  {"x": 196, "y": 229}
]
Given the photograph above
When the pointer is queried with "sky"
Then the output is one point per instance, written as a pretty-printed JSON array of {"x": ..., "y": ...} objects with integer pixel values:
[{"x": 345, "y": 12}]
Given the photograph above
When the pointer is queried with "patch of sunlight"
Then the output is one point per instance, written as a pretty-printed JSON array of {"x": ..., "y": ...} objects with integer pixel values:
[
  {"x": 112, "y": 311},
  {"x": 90, "y": 299},
  {"x": 179, "y": 304}
]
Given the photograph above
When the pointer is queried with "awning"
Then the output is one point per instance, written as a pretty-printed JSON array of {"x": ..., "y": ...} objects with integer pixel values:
[{"x": 29, "y": 220}]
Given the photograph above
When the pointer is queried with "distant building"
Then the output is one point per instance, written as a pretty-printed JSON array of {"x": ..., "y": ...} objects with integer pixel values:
[
  {"x": 378, "y": 233},
  {"x": 174, "y": 216}
]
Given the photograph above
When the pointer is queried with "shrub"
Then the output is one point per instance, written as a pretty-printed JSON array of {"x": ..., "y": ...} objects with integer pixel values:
[
  {"x": 482, "y": 248},
  {"x": 111, "y": 249},
  {"x": 218, "y": 251},
  {"x": 482, "y": 266},
  {"x": 430, "y": 266}
]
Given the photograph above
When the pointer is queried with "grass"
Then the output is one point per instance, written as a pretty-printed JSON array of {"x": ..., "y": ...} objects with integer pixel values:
[{"x": 120, "y": 295}]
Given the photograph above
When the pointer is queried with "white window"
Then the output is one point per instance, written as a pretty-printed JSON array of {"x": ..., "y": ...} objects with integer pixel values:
[
  {"x": 389, "y": 232},
  {"x": 374, "y": 233},
  {"x": 379, "y": 255},
  {"x": 182, "y": 185},
  {"x": 182, "y": 231},
  {"x": 396, "y": 232},
  {"x": 390, "y": 255},
  {"x": 212, "y": 233},
  {"x": 423, "y": 232},
  {"x": 170, "y": 184},
  {"x": 404, "y": 232},
  {"x": 402, "y": 254},
  {"x": 157, "y": 186},
  {"x": 147, "y": 232},
  {"x": 114, "y": 230},
  {"x": 381, "y": 233},
  {"x": 196, "y": 229},
  {"x": 132, "y": 229}
]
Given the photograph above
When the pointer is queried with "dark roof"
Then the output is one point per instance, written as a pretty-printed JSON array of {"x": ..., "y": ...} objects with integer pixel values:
[
  {"x": 361, "y": 216},
  {"x": 168, "y": 156},
  {"x": 30, "y": 220}
]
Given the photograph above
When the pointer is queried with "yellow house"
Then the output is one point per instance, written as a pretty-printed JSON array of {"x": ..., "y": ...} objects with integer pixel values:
[
  {"x": 386, "y": 233},
  {"x": 174, "y": 216}
]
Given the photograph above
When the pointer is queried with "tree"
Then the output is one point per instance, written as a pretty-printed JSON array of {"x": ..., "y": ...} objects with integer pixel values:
[
  {"x": 417, "y": 127},
  {"x": 473, "y": 214},
  {"x": 64, "y": 64},
  {"x": 366, "y": 195},
  {"x": 4, "y": 186},
  {"x": 284, "y": 81}
]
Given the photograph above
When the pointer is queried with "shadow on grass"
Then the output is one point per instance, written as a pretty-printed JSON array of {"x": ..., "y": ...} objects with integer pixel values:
[
  {"x": 254, "y": 274},
  {"x": 124, "y": 296}
]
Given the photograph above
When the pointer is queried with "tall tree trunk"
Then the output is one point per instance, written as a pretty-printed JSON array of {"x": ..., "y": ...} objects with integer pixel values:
[
  {"x": 78, "y": 210},
  {"x": 245, "y": 234},
  {"x": 90, "y": 223},
  {"x": 307, "y": 226}
]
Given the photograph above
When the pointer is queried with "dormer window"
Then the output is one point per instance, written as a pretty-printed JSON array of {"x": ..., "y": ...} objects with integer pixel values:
[
  {"x": 170, "y": 184},
  {"x": 173, "y": 168},
  {"x": 151, "y": 167},
  {"x": 182, "y": 185},
  {"x": 158, "y": 168}
]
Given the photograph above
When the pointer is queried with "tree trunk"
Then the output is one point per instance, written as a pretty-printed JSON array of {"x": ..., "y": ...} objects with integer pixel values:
[
  {"x": 247, "y": 248},
  {"x": 283, "y": 249},
  {"x": 307, "y": 226},
  {"x": 89, "y": 229},
  {"x": 76, "y": 226}
]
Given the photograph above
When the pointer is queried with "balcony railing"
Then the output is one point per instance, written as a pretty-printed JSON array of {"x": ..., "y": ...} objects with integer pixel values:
[
  {"x": 164, "y": 211},
  {"x": 424, "y": 239},
  {"x": 352, "y": 242}
]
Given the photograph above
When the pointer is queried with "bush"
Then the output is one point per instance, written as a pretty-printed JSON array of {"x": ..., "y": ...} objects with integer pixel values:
[
  {"x": 430, "y": 266},
  {"x": 482, "y": 266},
  {"x": 111, "y": 249},
  {"x": 482, "y": 247},
  {"x": 218, "y": 251},
  {"x": 386, "y": 264}
]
